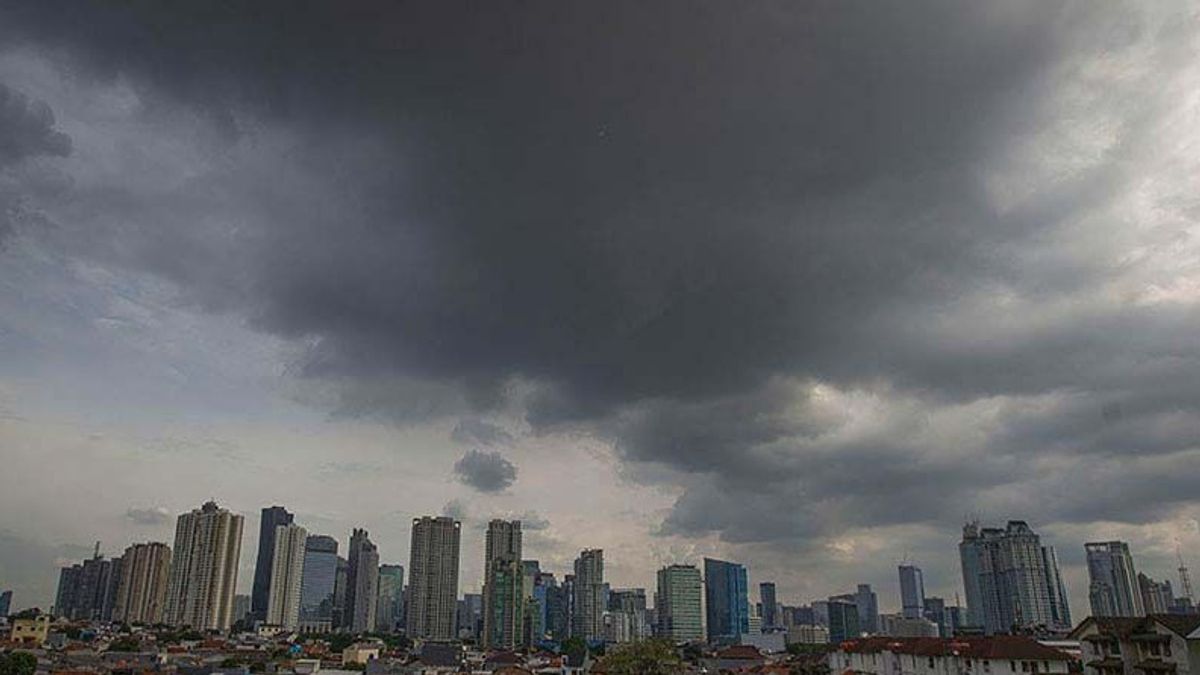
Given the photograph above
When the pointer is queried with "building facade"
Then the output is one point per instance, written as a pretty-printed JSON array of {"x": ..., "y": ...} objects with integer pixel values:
[
  {"x": 770, "y": 606},
  {"x": 287, "y": 577},
  {"x": 1113, "y": 584},
  {"x": 271, "y": 519},
  {"x": 204, "y": 567},
  {"x": 317, "y": 584},
  {"x": 362, "y": 583},
  {"x": 390, "y": 611},
  {"x": 1158, "y": 644},
  {"x": 142, "y": 589},
  {"x": 433, "y": 578},
  {"x": 727, "y": 607},
  {"x": 589, "y": 591},
  {"x": 1007, "y": 577},
  {"x": 503, "y": 585},
  {"x": 912, "y": 591}
]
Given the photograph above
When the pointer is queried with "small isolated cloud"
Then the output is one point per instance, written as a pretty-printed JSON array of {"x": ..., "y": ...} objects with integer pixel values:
[
  {"x": 475, "y": 431},
  {"x": 485, "y": 471},
  {"x": 155, "y": 515}
]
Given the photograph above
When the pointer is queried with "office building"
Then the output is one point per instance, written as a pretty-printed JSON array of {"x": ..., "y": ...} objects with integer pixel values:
[
  {"x": 912, "y": 591},
  {"x": 204, "y": 567},
  {"x": 1060, "y": 612},
  {"x": 843, "y": 619},
  {"x": 390, "y": 610},
  {"x": 868, "y": 609},
  {"x": 5, "y": 603},
  {"x": 1008, "y": 581},
  {"x": 341, "y": 616},
  {"x": 1113, "y": 585},
  {"x": 727, "y": 607},
  {"x": 318, "y": 582},
  {"x": 362, "y": 583},
  {"x": 271, "y": 519},
  {"x": 287, "y": 575},
  {"x": 770, "y": 608},
  {"x": 470, "y": 616},
  {"x": 433, "y": 578},
  {"x": 503, "y": 585},
  {"x": 632, "y": 603},
  {"x": 142, "y": 589},
  {"x": 1157, "y": 596},
  {"x": 558, "y": 603},
  {"x": 589, "y": 590},
  {"x": 935, "y": 611}
]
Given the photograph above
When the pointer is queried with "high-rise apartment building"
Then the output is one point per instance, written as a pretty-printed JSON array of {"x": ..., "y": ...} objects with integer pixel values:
[
  {"x": 470, "y": 616},
  {"x": 317, "y": 585},
  {"x": 391, "y": 598},
  {"x": 912, "y": 591},
  {"x": 204, "y": 567},
  {"x": 341, "y": 615},
  {"x": 770, "y": 607},
  {"x": 142, "y": 588},
  {"x": 433, "y": 578},
  {"x": 260, "y": 594},
  {"x": 677, "y": 603},
  {"x": 88, "y": 590},
  {"x": 362, "y": 583},
  {"x": 589, "y": 592},
  {"x": 503, "y": 585},
  {"x": 727, "y": 605},
  {"x": 1008, "y": 577},
  {"x": 868, "y": 609},
  {"x": 1113, "y": 589},
  {"x": 287, "y": 576},
  {"x": 1157, "y": 596}
]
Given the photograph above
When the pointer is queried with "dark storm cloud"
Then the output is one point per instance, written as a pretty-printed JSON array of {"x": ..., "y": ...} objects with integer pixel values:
[
  {"x": 676, "y": 223},
  {"x": 485, "y": 471},
  {"x": 27, "y": 129},
  {"x": 477, "y": 431}
]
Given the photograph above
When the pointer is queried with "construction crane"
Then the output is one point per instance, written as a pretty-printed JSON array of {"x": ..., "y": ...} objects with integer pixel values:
[{"x": 1185, "y": 580}]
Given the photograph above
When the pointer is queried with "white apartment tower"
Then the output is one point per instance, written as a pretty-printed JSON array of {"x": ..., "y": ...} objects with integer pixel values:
[
  {"x": 142, "y": 589},
  {"x": 433, "y": 578},
  {"x": 203, "y": 579},
  {"x": 287, "y": 571}
]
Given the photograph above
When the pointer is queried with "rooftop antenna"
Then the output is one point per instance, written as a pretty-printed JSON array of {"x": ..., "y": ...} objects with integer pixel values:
[
  {"x": 96, "y": 553},
  {"x": 1185, "y": 580}
]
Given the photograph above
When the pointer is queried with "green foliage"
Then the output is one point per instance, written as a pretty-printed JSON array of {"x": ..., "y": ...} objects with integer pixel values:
[
  {"x": 575, "y": 647},
  {"x": 18, "y": 663},
  {"x": 231, "y": 662},
  {"x": 125, "y": 644},
  {"x": 648, "y": 657}
]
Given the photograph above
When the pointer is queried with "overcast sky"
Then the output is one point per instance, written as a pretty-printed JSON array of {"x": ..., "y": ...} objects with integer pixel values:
[{"x": 801, "y": 284}]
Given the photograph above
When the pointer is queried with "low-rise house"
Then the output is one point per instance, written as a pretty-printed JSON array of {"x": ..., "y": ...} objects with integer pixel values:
[
  {"x": 361, "y": 652},
  {"x": 1159, "y": 644},
  {"x": 31, "y": 629},
  {"x": 735, "y": 657},
  {"x": 994, "y": 655}
]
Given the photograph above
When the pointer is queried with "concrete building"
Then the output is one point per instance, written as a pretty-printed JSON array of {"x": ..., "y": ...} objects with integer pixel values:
[
  {"x": 260, "y": 594},
  {"x": 1000, "y": 655},
  {"x": 727, "y": 606},
  {"x": 1008, "y": 580},
  {"x": 935, "y": 611},
  {"x": 1157, "y": 596},
  {"x": 390, "y": 606},
  {"x": 142, "y": 588},
  {"x": 807, "y": 634},
  {"x": 912, "y": 591},
  {"x": 589, "y": 591},
  {"x": 33, "y": 630},
  {"x": 770, "y": 606},
  {"x": 5, "y": 603},
  {"x": 1158, "y": 644},
  {"x": 317, "y": 584},
  {"x": 677, "y": 603},
  {"x": 632, "y": 603},
  {"x": 433, "y": 578},
  {"x": 287, "y": 575},
  {"x": 362, "y": 583},
  {"x": 843, "y": 619},
  {"x": 204, "y": 567},
  {"x": 868, "y": 609},
  {"x": 503, "y": 585},
  {"x": 1113, "y": 584},
  {"x": 898, "y": 625},
  {"x": 88, "y": 590},
  {"x": 470, "y": 616}
]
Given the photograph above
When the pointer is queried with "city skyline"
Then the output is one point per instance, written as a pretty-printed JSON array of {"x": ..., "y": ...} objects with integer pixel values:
[{"x": 802, "y": 286}]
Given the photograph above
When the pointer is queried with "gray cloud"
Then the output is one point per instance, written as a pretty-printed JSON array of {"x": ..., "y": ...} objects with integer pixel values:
[
  {"x": 485, "y": 471},
  {"x": 27, "y": 129},
  {"x": 156, "y": 515},
  {"x": 875, "y": 266}
]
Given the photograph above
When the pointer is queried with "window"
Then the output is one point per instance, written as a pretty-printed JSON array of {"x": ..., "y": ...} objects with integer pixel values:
[
  {"x": 1012, "y": 665},
  {"x": 931, "y": 662},
  {"x": 987, "y": 666}
]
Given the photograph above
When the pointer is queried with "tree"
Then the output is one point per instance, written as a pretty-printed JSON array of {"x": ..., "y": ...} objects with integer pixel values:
[
  {"x": 647, "y": 657},
  {"x": 125, "y": 644},
  {"x": 575, "y": 648},
  {"x": 18, "y": 663}
]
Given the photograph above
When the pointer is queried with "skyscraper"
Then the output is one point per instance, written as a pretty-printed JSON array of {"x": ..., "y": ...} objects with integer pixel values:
[
  {"x": 317, "y": 585},
  {"x": 503, "y": 585},
  {"x": 433, "y": 578},
  {"x": 287, "y": 574},
  {"x": 1113, "y": 588},
  {"x": 589, "y": 595},
  {"x": 770, "y": 608},
  {"x": 341, "y": 615},
  {"x": 1006, "y": 578},
  {"x": 362, "y": 583},
  {"x": 203, "y": 579},
  {"x": 727, "y": 605},
  {"x": 843, "y": 619},
  {"x": 5, "y": 603},
  {"x": 935, "y": 611},
  {"x": 142, "y": 588},
  {"x": 470, "y": 616},
  {"x": 868, "y": 609},
  {"x": 1157, "y": 596},
  {"x": 1060, "y": 611},
  {"x": 678, "y": 605},
  {"x": 391, "y": 598},
  {"x": 260, "y": 594},
  {"x": 912, "y": 591}
]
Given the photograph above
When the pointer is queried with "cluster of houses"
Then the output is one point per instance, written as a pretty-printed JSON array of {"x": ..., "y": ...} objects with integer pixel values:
[{"x": 1151, "y": 645}]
